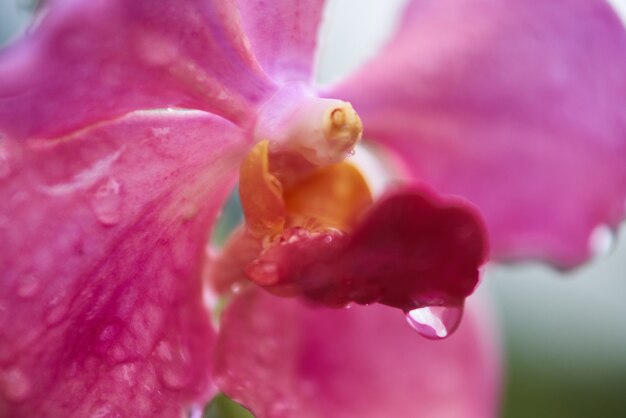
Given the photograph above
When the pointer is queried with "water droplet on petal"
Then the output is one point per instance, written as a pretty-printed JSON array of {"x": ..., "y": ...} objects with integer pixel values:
[
  {"x": 106, "y": 342},
  {"x": 602, "y": 240},
  {"x": 161, "y": 132},
  {"x": 175, "y": 367},
  {"x": 27, "y": 286},
  {"x": 174, "y": 378},
  {"x": 236, "y": 288},
  {"x": 16, "y": 385},
  {"x": 107, "y": 202},
  {"x": 105, "y": 411},
  {"x": 56, "y": 312},
  {"x": 189, "y": 211},
  {"x": 263, "y": 272},
  {"x": 435, "y": 322}
]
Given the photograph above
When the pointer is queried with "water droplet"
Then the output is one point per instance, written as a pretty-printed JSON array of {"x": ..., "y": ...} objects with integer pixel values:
[
  {"x": 107, "y": 202},
  {"x": 435, "y": 322},
  {"x": 105, "y": 411},
  {"x": 351, "y": 153},
  {"x": 27, "y": 286},
  {"x": 175, "y": 368},
  {"x": 156, "y": 50},
  {"x": 189, "y": 211},
  {"x": 263, "y": 272},
  {"x": 161, "y": 132},
  {"x": 236, "y": 288},
  {"x": 108, "y": 333},
  {"x": 17, "y": 386},
  {"x": 602, "y": 240},
  {"x": 175, "y": 378},
  {"x": 57, "y": 310}
]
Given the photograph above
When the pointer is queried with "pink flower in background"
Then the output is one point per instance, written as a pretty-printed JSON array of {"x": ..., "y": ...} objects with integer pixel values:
[{"x": 108, "y": 191}]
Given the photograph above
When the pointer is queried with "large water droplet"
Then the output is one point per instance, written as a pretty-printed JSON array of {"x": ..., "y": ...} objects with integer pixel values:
[
  {"x": 17, "y": 386},
  {"x": 27, "y": 286},
  {"x": 435, "y": 322},
  {"x": 602, "y": 240},
  {"x": 107, "y": 202}
]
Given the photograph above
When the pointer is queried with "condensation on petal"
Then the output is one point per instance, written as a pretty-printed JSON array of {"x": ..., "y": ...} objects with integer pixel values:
[
  {"x": 412, "y": 249},
  {"x": 101, "y": 306}
]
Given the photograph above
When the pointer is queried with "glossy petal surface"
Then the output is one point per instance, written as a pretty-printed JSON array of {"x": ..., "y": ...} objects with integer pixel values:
[
  {"x": 283, "y": 35},
  {"x": 103, "y": 236},
  {"x": 283, "y": 359},
  {"x": 518, "y": 106},
  {"x": 88, "y": 61},
  {"x": 411, "y": 249}
]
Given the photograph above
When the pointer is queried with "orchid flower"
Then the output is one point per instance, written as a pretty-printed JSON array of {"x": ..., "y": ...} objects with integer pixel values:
[{"x": 125, "y": 124}]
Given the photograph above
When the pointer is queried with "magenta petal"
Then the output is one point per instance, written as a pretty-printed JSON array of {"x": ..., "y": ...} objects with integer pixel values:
[
  {"x": 411, "y": 249},
  {"x": 283, "y": 359},
  {"x": 517, "y": 105},
  {"x": 283, "y": 35},
  {"x": 92, "y": 60},
  {"x": 103, "y": 237}
]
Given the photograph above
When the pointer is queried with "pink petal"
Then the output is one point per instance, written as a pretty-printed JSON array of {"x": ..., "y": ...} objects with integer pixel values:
[
  {"x": 282, "y": 359},
  {"x": 89, "y": 60},
  {"x": 226, "y": 269},
  {"x": 103, "y": 236},
  {"x": 283, "y": 35},
  {"x": 517, "y": 106},
  {"x": 412, "y": 249}
]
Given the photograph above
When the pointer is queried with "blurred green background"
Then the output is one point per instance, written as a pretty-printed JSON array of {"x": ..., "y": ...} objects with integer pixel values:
[{"x": 564, "y": 335}]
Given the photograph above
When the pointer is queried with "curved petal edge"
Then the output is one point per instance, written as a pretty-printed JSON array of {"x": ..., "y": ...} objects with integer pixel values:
[
  {"x": 282, "y": 359},
  {"x": 517, "y": 106}
]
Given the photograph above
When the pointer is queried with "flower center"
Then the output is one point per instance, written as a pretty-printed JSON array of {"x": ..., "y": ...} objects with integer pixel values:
[
  {"x": 294, "y": 182},
  {"x": 281, "y": 191},
  {"x": 321, "y": 131},
  {"x": 312, "y": 229},
  {"x": 295, "y": 176}
]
